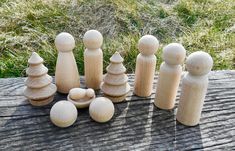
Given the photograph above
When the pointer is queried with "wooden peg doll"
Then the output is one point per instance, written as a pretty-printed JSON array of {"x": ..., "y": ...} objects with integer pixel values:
[
  {"x": 66, "y": 74},
  {"x": 145, "y": 65},
  {"x": 194, "y": 87},
  {"x": 169, "y": 76},
  {"x": 93, "y": 59}
]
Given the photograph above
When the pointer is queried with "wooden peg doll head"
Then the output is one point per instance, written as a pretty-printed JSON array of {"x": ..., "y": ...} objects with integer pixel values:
[
  {"x": 64, "y": 42},
  {"x": 199, "y": 63},
  {"x": 174, "y": 54},
  {"x": 93, "y": 39},
  {"x": 148, "y": 45}
]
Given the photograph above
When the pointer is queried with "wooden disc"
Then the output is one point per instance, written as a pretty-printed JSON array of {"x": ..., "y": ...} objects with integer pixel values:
[
  {"x": 115, "y": 68},
  {"x": 39, "y": 94},
  {"x": 36, "y": 70},
  {"x": 80, "y": 103},
  {"x": 42, "y": 102},
  {"x": 116, "y": 99},
  {"x": 112, "y": 90},
  {"x": 38, "y": 82},
  {"x": 115, "y": 79}
]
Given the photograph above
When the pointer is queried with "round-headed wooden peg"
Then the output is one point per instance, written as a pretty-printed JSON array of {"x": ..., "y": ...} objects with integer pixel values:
[
  {"x": 64, "y": 42},
  {"x": 199, "y": 63},
  {"x": 93, "y": 39},
  {"x": 148, "y": 45}
]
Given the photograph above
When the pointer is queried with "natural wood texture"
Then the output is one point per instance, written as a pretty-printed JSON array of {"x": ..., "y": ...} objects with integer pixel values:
[
  {"x": 145, "y": 65},
  {"x": 39, "y": 87},
  {"x": 66, "y": 73},
  {"x": 115, "y": 85},
  {"x": 194, "y": 88},
  {"x": 93, "y": 59},
  {"x": 169, "y": 75},
  {"x": 136, "y": 125}
]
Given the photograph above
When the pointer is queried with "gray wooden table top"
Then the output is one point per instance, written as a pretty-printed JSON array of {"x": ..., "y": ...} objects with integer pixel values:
[{"x": 136, "y": 125}]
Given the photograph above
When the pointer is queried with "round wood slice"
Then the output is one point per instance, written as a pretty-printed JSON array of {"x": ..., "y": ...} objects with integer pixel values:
[
  {"x": 37, "y": 70},
  {"x": 42, "y": 102},
  {"x": 115, "y": 79},
  {"x": 116, "y": 68},
  {"x": 42, "y": 93},
  {"x": 80, "y": 103},
  {"x": 116, "y": 99},
  {"x": 38, "y": 82},
  {"x": 112, "y": 90}
]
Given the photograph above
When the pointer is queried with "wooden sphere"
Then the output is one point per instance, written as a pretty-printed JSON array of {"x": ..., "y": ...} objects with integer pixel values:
[
  {"x": 64, "y": 42},
  {"x": 148, "y": 45},
  {"x": 199, "y": 63},
  {"x": 174, "y": 53},
  {"x": 77, "y": 93},
  {"x": 63, "y": 114},
  {"x": 93, "y": 39},
  {"x": 90, "y": 93},
  {"x": 101, "y": 109}
]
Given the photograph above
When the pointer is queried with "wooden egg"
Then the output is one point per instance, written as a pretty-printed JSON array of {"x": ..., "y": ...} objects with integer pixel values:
[
  {"x": 101, "y": 109},
  {"x": 77, "y": 93},
  {"x": 90, "y": 93},
  {"x": 63, "y": 114}
]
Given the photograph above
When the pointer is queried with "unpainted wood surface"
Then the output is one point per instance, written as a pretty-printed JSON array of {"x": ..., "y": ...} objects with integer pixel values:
[{"x": 136, "y": 125}]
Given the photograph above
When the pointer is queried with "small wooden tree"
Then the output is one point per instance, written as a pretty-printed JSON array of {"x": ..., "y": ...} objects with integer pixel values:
[
  {"x": 40, "y": 90},
  {"x": 115, "y": 85}
]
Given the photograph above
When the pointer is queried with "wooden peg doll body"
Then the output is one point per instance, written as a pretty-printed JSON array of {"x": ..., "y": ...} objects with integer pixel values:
[
  {"x": 194, "y": 87},
  {"x": 145, "y": 66},
  {"x": 93, "y": 59},
  {"x": 66, "y": 74},
  {"x": 169, "y": 76}
]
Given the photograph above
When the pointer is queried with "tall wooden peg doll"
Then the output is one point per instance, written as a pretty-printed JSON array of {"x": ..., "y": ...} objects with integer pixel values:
[
  {"x": 145, "y": 66},
  {"x": 66, "y": 74},
  {"x": 169, "y": 76},
  {"x": 93, "y": 59},
  {"x": 194, "y": 88}
]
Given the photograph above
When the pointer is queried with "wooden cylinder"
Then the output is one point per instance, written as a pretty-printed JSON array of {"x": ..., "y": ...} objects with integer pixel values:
[
  {"x": 192, "y": 99},
  {"x": 93, "y": 59},
  {"x": 167, "y": 86},
  {"x": 145, "y": 65},
  {"x": 93, "y": 62},
  {"x": 194, "y": 87},
  {"x": 144, "y": 75}
]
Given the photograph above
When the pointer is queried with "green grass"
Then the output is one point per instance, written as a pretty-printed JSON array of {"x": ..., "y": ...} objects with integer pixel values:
[{"x": 31, "y": 25}]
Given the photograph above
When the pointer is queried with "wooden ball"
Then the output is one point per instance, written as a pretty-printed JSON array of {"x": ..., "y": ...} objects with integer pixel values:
[
  {"x": 199, "y": 63},
  {"x": 63, "y": 114},
  {"x": 101, "y": 109},
  {"x": 64, "y": 42},
  {"x": 93, "y": 39},
  {"x": 90, "y": 93},
  {"x": 174, "y": 53},
  {"x": 148, "y": 45},
  {"x": 77, "y": 93}
]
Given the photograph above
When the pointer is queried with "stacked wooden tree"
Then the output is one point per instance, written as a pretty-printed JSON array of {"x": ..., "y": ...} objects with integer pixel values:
[
  {"x": 115, "y": 85},
  {"x": 40, "y": 90}
]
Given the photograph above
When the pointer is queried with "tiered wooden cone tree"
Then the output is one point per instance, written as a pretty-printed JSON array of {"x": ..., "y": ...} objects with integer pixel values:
[
  {"x": 40, "y": 90},
  {"x": 115, "y": 85}
]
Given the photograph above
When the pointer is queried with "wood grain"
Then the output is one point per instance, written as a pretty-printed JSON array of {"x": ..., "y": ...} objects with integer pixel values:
[{"x": 136, "y": 125}]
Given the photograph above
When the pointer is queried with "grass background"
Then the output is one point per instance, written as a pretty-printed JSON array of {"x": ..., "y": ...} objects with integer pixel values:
[{"x": 31, "y": 25}]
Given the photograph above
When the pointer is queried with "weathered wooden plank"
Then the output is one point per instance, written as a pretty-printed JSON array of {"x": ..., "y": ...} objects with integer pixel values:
[{"x": 137, "y": 124}]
